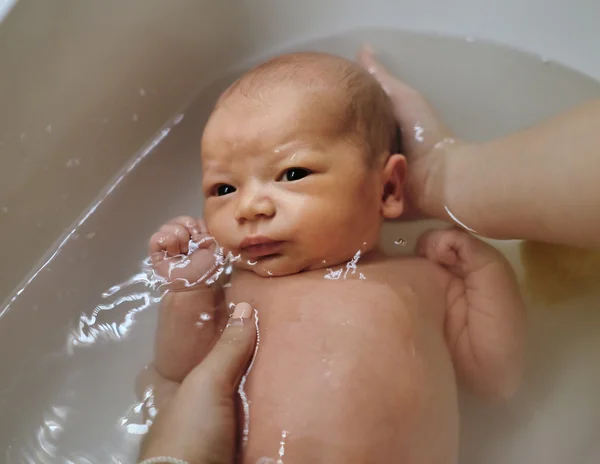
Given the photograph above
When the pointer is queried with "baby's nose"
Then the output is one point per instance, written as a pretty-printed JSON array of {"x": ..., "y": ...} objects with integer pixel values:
[{"x": 254, "y": 205}]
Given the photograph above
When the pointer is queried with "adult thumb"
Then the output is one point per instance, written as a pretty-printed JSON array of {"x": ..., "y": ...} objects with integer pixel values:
[{"x": 229, "y": 358}]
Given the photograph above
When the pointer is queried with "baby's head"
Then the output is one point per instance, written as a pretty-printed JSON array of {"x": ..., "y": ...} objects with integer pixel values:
[{"x": 300, "y": 164}]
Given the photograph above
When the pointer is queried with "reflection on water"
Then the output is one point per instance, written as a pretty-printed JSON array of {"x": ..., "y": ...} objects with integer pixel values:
[{"x": 349, "y": 269}]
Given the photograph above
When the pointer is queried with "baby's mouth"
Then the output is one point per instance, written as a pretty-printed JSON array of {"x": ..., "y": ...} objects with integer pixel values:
[{"x": 262, "y": 250}]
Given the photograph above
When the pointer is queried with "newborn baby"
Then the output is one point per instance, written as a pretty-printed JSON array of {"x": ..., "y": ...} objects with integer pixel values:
[{"x": 359, "y": 353}]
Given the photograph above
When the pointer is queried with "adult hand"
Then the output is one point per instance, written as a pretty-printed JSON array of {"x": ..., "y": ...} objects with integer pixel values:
[
  {"x": 198, "y": 425},
  {"x": 425, "y": 140}
]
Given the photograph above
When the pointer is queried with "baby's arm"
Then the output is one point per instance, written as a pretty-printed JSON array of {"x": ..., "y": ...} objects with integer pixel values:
[
  {"x": 189, "y": 319},
  {"x": 485, "y": 318}
]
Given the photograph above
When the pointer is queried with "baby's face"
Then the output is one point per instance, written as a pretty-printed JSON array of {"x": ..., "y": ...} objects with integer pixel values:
[{"x": 281, "y": 191}]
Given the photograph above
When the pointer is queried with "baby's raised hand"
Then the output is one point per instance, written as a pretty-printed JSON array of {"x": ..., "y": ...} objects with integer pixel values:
[
  {"x": 183, "y": 254},
  {"x": 485, "y": 315}
]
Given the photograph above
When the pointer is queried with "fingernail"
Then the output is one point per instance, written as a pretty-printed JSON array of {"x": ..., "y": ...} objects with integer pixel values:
[{"x": 242, "y": 311}]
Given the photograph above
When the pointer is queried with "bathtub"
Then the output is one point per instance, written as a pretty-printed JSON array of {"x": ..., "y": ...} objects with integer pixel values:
[{"x": 101, "y": 109}]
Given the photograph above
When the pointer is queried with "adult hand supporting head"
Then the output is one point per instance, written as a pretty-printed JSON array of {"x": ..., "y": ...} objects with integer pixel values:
[
  {"x": 198, "y": 425},
  {"x": 425, "y": 138}
]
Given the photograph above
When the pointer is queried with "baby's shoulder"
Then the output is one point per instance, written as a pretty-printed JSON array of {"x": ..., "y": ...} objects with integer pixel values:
[{"x": 410, "y": 269}]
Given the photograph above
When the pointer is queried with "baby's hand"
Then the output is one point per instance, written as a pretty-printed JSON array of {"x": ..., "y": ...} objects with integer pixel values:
[
  {"x": 461, "y": 253},
  {"x": 485, "y": 318},
  {"x": 183, "y": 253}
]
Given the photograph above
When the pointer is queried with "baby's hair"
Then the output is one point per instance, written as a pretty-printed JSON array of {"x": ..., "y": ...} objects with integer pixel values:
[{"x": 354, "y": 103}]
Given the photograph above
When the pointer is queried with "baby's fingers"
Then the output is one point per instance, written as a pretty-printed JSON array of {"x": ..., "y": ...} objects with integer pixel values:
[
  {"x": 172, "y": 239},
  {"x": 193, "y": 226},
  {"x": 440, "y": 246}
]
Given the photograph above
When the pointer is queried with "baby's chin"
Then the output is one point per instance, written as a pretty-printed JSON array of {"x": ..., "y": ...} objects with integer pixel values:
[
  {"x": 272, "y": 266},
  {"x": 282, "y": 265}
]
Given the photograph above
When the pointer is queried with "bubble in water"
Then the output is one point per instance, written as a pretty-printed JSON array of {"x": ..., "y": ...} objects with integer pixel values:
[{"x": 400, "y": 242}]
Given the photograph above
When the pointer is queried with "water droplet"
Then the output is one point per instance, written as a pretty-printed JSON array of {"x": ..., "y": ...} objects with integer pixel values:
[
  {"x": 333, "y": 275},
  {"x": 142, "y": 92},
  {"x": 252, "y": 263},
  {"x": 49, "y": 128},
  {"x": 135, "y": 117},
  {"x": 205, "y": 317},
  {"x": 400, "y": 242},
  {"x": 419, "y": 133}
]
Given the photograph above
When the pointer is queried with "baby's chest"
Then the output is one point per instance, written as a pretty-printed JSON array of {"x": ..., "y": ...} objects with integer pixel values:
[{"x": 338, "y": 311}]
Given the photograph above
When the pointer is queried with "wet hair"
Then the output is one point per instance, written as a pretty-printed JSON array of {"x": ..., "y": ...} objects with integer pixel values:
[{"x": 355, "y": 105}]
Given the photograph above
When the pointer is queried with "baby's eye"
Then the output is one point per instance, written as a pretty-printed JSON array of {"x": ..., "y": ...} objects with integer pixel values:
[
  {"x": 223, "y": 189},
  {"x": 293, "y": 174}
]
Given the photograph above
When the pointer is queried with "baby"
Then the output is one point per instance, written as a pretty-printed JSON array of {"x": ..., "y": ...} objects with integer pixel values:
[{"x": 359, "y": 353}]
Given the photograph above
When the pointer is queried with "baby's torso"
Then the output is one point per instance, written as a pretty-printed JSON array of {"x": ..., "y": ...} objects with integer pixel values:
[{"x": 352, "y": 369}]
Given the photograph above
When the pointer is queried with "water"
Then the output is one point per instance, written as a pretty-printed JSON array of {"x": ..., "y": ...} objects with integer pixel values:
[{"x": 67, "y": 368}]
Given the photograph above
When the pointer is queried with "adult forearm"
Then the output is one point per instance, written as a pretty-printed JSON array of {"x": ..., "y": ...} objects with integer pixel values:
[{"x": 539, "y": 184}]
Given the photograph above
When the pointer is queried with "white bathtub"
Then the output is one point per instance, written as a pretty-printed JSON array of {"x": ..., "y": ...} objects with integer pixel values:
[{"x": 99, "y": 145}]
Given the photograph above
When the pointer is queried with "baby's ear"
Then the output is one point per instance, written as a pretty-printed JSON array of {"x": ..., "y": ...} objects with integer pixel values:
[{"x": 394, "y": 175}]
